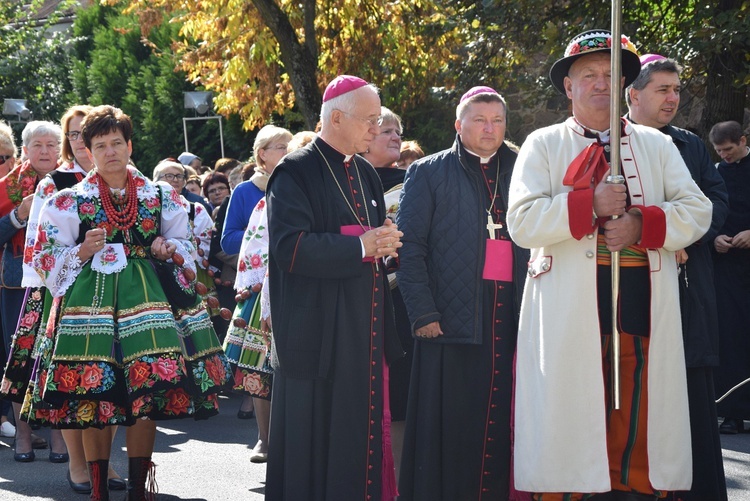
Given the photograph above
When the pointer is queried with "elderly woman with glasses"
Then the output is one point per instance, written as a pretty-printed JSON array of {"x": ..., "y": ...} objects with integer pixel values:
[
  {"x": 201, "y": 223},
  {"x": 385, "y": 150},
  {"x": 174, "y": 173},
  {"x": 41, "y": 146}
]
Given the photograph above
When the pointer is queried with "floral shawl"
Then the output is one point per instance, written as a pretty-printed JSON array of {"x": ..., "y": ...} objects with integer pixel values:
[{"x": 14, "y": 187}]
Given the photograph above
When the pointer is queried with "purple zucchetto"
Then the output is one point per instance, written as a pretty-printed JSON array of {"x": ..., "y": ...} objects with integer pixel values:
[
  {"x": 341, "y": 85},
  {"x": 650, "y": 58},
  {"x": 481, "y": 89}
]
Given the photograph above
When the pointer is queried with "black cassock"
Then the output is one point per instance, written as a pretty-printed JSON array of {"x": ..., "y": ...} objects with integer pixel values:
[
  {"x": 458, "y": 432},
  {"x": 333, "y": 329},
  {"x": 732, "y": 278}
]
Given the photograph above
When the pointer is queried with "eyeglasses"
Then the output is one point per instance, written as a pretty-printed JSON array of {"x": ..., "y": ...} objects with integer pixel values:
[
  {"x": 217, "y": 190},
  {"x": 277, "y": 147},
  {"x": 73, "y": 135},
  {"x": 5, "y": 158},
  {"x": 172, "y": 177},
  {"x": 372, "y": 122}
]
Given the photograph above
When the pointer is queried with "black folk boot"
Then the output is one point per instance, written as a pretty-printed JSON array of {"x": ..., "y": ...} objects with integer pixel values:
[
  {"x": 141, "y": 482},
  {"x": 98, "y": 475}
]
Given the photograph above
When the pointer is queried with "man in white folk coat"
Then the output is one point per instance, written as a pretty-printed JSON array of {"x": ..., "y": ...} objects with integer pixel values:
[{"x": 569, "y": 443}]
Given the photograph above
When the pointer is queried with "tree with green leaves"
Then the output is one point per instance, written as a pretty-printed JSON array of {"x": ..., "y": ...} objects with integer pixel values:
[
  {"x": 115, "y": 65},
  {"x": 516, "y": 43},
  {"x": 34, "y": 57}
]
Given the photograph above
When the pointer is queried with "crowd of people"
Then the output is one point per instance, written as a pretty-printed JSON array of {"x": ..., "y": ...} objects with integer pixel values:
[{"x": 400, "y": 326}]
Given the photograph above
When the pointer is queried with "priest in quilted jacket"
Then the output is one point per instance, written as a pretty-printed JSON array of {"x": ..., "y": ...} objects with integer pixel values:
[{"x": 461, "y": 279}]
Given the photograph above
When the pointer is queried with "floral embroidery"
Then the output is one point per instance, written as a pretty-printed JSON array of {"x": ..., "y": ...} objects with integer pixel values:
[
  {"x": 64, "y": 202},
  {"x": 178, "y": 402},
  {"x": 29, "y": 319},
  {"x": 139, "y": 375},
  {"x": 211, "y": 372},
  {"x": 149, "y": 370},
  {"x": 87, "y": 209},
  {"x": 166, "y": 369},
  {"x": 254, "y": 383},
  {"x": 81, "y": 377},
  {"x": 92, "y": 377}
]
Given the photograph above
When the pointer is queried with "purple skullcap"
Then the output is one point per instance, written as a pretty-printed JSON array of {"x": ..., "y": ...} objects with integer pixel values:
[
  {"x": 477, "y": 90},
  {"x": 650, "y": 58},
  {"x": 341, "y": 85}
]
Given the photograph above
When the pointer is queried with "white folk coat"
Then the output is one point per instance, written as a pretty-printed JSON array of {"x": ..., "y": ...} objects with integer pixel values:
[{"x": 560, "y": 408}]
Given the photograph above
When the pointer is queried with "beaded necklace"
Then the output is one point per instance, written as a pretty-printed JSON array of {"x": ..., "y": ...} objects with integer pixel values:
[{"x": 125, "y": 218}]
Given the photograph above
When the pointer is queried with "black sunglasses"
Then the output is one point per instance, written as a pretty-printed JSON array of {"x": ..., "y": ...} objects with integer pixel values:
[{"x": 5, "y": 158}]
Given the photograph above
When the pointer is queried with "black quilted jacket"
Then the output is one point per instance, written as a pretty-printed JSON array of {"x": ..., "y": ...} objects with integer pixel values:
[{"x": 443, "y": 219}]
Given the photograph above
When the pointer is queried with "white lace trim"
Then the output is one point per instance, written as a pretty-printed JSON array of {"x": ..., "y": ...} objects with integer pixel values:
[
  {"x": 69, "y": 271},
  {"x": 248, "y": 278}
]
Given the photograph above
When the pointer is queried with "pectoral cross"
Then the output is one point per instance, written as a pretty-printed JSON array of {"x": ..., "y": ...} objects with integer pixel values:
[{"x": 492, "y": 226}]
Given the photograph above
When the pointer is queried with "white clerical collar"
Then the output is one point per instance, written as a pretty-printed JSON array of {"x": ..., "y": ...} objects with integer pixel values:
[
  {"x": 348, "y": 158},
  {"x": 482, "y": 159}
]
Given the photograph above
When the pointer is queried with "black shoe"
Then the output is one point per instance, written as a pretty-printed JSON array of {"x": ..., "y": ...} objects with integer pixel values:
[
  {"x": 117, "y": 484},
  {"x": 24, "y": 457},
  {"x": 80, "y": 488},
  {"x": 732, "y": 426},
  {"x": 245, "y": 414},
  {"x": 58, "y": 457}
]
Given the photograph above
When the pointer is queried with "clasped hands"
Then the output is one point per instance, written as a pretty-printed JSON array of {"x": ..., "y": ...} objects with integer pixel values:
[
  {"x": 382, "y": 241},
  {"x": 162, "y": 249},
  {"x": 723, "y": 243},
  {"x": 610, "y": 200}
]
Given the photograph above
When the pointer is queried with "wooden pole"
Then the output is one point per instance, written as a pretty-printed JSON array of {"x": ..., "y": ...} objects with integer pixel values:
[{"x": 617, "y": 178}]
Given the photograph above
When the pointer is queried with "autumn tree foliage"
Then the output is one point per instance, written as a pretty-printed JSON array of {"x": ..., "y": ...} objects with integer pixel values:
[{"x": 264, "y": 56}]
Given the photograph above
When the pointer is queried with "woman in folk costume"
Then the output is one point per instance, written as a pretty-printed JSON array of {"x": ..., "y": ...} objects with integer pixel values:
[
  {"x": 41, "y": 146},
  {"x": 269, "y": 147},
  {"x": 201, "y": 224},
  {"x": 124, "y": 353},
  {"x": 247, "y": 344},
  {"x": 26, "y": 364}
]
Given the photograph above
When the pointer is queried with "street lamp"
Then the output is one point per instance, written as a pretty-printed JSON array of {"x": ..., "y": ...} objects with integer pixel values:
[
  {"x": 17, "y": 108},
  {"x": 201, "y": 102}
]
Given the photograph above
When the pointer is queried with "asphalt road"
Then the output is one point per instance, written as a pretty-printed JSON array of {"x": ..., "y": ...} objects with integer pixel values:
[{"x": 210, "y": 460}]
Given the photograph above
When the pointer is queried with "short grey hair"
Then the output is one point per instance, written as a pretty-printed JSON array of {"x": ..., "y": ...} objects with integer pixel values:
[
  {"x": 647, "y": 70},
  {"x": 164, "y": 165},
  {"x": 387, "y": 116},
  {"x": 345, "y": 102},
  {"x": 38, "y": 128}
]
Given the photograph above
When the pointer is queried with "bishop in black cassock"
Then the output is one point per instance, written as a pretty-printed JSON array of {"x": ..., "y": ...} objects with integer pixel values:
[
  {"x": 461, "y": 279},
  {"x": 333, "y": 322}
]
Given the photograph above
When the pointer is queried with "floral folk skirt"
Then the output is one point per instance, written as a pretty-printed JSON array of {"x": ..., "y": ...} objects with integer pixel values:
[
  {"x": 121, "y": 353},
  {"x": 249, "y": 352},
  {"x": 22, "y": 354}
]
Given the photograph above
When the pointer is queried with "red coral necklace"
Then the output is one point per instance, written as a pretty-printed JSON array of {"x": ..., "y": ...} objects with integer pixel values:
[{"x": 124, "y": 218}]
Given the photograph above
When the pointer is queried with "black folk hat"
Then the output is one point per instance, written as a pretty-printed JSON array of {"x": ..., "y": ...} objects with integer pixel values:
[{"x": 590, "y": 42}]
